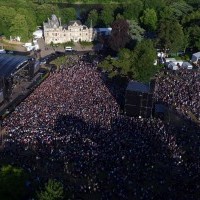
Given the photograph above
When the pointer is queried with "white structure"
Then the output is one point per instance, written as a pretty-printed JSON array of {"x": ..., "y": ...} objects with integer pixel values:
[
  {"x": 103, "y": 31},
  {"x": 172, "y": 66},
  {"x": 38, "y": 34},
  {"x": 195, "y": 57},
  {"x": 186, "y": 65},
  {"x": 68, "y": 49},
  {"x": 2, "y": 51},
  {"x": 74, "y": 31},
  {"x": 170, "y": 60},
  {"x": 29, "y": 46}
]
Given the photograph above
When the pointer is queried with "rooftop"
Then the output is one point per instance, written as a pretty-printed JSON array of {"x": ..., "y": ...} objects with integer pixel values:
[{"x": 138, "y": 87}]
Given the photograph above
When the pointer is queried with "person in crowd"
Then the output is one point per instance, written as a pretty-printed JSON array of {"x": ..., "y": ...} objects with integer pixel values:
[{"x": 71, "y": 126}]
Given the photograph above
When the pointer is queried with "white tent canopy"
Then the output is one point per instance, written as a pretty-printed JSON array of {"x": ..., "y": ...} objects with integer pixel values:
[
  {"x": 195, "y": 57},
  {"x": 38, "y": 34}
]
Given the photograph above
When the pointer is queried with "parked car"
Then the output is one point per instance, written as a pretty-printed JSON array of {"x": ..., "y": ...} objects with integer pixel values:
[{"x": 68, "y": 49}]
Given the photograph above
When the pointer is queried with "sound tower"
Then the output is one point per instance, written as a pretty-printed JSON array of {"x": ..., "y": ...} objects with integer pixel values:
[{"x": 138, "y": 100}]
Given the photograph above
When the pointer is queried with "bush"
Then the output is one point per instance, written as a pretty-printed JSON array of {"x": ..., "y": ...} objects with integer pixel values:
[
  {"x": 53, "y": 191},
  {"x": 71, "y": 44},
  {"x": 85, "y": 43}
]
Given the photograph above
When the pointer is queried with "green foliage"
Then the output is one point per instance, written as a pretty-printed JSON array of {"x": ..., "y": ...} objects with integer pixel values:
[
  {"x": 194, "y": 39},
  {"x": 12, "y": 183},
  {"x": 136, "y": 64},
  {"x": 144, "y": 57},
  {"x": 67, "y": 14},
  {"x": 107, "y": 16},
  {"x": 30, "y": 19},
  {"x": 154, "y": 4},
  {"x": 53, "y": 191},
  {"x": 93, "y": 17},
  {"x": 71, "y": 44},
  {"x": 149, "y": 19},
  {"x": 171, "y": 35},
  {"x": 59, "y": 61},
  {"x": 135, "y": 31},
  {"x": 85, "y": 43},
  {"x": 192, "y": 19},
  {"x": 133, "y": 10},
  {"x": 6, "y": 16},
  {"x": 19, "y": 27},
  {"x": 176, "y": 10},
  {"x": 44, "y": 11}
]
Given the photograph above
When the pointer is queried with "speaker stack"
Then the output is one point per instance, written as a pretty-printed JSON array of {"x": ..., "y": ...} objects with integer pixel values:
[{"x": 138, "y": 100}]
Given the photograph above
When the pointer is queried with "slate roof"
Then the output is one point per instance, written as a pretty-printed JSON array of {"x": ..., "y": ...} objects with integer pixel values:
[
  {"x": 11, "y": 63},
  {"x": 71, "y": 23},
  {"x": 138, "y": 87}
]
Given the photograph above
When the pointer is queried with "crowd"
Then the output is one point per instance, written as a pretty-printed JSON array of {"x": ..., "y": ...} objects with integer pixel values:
[
  {"x": 70, "y": 129},
  {"x": 181, "y": 90}
]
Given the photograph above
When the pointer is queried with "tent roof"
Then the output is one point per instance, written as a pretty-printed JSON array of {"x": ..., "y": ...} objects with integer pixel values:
[
  {"x": 196, "y": 54},
  {"x": 10, "y": 63},
  {"x": 138, "y": 87}
]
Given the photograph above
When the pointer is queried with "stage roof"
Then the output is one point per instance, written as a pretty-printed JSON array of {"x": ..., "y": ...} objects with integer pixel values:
[
  {"x": 11, "y": 63},
  {"x": 138, "y": 87}
]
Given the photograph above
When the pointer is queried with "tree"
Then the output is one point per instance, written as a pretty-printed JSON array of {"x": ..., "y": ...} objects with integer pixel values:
[
  {"x": 191, "y": 19},
  {"x": 6, "y": 16},
  {"x": 137, "y": 64},
  {"x": 44, "y": 11},
  {"x": 120, "y": 66},
  {"x": 107, "y": 16},
  {"x": 144, "y": 57},
  {"x": 149, "y": 19},
  {"x": 12, "y": 183},
  {"x": 30, "y": 19},
  {"x": 135, "y": 31},
  {"x": 171, "y": 35},
  {"x": 194, "y": 39},
  {"x": 93, "y": 17},
  {"x": 68, "y": 14},
  {"x": 133, "y": 10},
  {"x": 154, "y": 4},
  {"x": 119, "y": 35},
  {"x": 53, "y": 191},
  {"x": 176, "y": 10},
  {"x": 19, "y": 27}
]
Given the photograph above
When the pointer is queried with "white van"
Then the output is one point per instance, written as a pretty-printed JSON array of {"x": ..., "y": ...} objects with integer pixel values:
[
  {"x": 68, "y": 49},
  {"x": 186, "y": 65},
  {"x": 172, "y": 66}
]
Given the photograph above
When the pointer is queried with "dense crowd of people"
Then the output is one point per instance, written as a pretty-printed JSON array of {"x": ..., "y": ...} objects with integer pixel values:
[
  {"x": 181, "y": 90},
  {"x": 70, "y": 128}
]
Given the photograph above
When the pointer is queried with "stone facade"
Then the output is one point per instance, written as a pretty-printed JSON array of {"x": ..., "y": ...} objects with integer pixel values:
[{"x": 74, "y": 31}]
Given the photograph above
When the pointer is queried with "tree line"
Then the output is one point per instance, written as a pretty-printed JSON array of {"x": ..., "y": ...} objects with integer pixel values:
[
  {"x": 15, "y": 185},
  {"x": 164, "y": 24}
]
